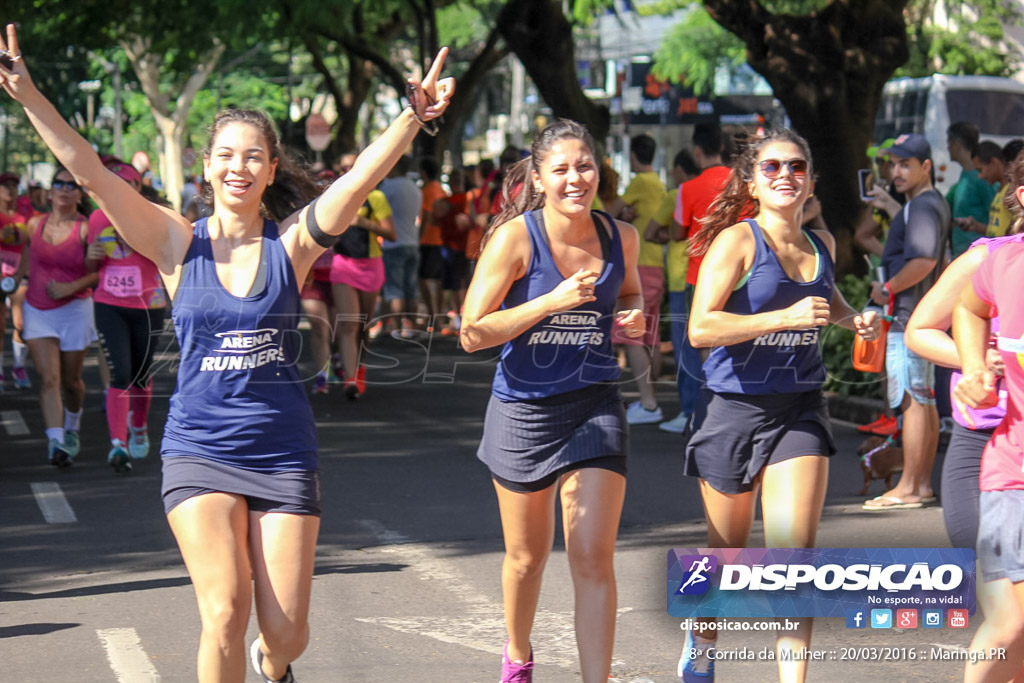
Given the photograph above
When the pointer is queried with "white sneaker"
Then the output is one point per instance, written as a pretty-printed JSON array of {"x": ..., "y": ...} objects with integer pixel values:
[
  {"x": 677, "y": 425},
  {"x": 636, "y": 414}
]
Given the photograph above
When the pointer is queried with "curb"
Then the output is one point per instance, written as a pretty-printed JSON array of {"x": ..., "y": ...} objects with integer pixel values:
[{"x": 856, "y": 409}]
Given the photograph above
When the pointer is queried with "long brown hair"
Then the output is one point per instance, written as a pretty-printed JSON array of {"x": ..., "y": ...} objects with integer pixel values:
[
  {"x": 1015, "y": 179},
  {"x": 294, "y": 186},
  {"x": 735, "y": 201},
  {"x": 518, "y": 176}
]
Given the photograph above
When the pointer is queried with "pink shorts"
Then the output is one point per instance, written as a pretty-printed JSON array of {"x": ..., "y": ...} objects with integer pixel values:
[
  {"x": 364, "y": 274},
  {"x": 652, "y": 287}
]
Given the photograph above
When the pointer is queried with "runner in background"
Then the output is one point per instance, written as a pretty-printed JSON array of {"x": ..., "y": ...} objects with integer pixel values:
[
  {"x": 318, "y": 305},
  {"x": 766, "y": 288},
  {"x": 928, "y": 335},
  {"x": 14, "y": 234},
  {"x": 553, "y": 280},
  {"x": 995, "y": 291},
  {"x": 58, "y": 318},
  {"x": 129, "y": 312},
  {"x": 357, "y": 274}
]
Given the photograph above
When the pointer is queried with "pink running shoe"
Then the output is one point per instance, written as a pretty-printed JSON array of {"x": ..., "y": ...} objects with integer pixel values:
[
  {"x": 21, "y": 379},
  {"x": 516, "y": 673}
]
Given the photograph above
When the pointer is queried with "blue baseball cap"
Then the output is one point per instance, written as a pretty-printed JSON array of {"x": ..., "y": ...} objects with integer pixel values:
[{"x": 911, "y": 146}]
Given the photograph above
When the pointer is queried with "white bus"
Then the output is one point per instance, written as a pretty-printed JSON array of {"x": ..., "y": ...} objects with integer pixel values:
[{"x": 930, "y": 105}]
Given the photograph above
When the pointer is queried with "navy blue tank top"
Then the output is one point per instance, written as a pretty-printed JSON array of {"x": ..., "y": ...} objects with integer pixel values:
[
  {"x": 780, "y": 362},
  {"x": 239, "y": 399},
  {"x": 568, "y": 350}
]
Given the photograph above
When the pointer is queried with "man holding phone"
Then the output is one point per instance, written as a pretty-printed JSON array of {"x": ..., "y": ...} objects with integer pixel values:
[{"x": 912, "y": 259}]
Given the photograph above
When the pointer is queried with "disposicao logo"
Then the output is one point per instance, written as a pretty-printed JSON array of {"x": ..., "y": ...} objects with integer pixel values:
[
  {"x": 696, "y": 581},
  {"x": 817, "y": 582}
]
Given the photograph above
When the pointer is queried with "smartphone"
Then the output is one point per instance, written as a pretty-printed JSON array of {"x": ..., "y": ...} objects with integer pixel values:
[{"x": 866, "y": 180}]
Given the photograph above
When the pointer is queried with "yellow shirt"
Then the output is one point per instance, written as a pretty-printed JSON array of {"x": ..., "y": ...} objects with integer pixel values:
[
  {"x": 644, "y": 194},
  {"x": 999, "y": 217},
  {"x": 379, "y": 210},
  {"x": 678, "y": 254}
]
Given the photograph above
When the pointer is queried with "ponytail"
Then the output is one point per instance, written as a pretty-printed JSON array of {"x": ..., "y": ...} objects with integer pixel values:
[{"x": 518, "y": 193}]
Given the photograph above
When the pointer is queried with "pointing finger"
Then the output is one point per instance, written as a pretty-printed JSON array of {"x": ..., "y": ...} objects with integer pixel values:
[
  {"x": 435, "y": 68},
  {"x": 12, "y": 41}
]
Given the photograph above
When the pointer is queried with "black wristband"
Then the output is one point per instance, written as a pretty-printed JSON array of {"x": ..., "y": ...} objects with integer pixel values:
[{"x": 319, "y": 236}]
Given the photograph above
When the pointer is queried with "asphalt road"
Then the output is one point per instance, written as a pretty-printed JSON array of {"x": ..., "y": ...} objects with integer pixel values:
[{"x": 407, "y": 580}]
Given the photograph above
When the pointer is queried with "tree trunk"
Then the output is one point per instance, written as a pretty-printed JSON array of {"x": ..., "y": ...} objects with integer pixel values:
[
  {"x": 170, "y": 120},
  {"x": 541, "y": 37},
  {"x": 828, "y": 69}
]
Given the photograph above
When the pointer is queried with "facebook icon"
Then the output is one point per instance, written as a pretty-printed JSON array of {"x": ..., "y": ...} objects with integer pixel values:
[{"x": 855, "y": 619}]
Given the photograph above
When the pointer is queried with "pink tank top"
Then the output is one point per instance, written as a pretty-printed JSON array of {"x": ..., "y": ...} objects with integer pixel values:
[{"x": 64, "y": 262}]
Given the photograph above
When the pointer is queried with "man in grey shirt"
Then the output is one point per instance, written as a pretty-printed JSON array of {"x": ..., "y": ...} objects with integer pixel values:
[
  {"x": 914, "y": 254},
  {"x": 401, "y": 257}
]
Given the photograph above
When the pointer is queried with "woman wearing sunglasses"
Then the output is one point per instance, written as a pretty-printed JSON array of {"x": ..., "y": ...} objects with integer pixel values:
[
  {"x": 240, "y": 463},
  {"x": 765, "y": 290},
  {"x": 58, "y": 315}
]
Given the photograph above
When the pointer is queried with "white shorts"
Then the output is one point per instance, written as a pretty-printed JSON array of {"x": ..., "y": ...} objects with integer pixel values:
[{"x": 71, "y": 324}]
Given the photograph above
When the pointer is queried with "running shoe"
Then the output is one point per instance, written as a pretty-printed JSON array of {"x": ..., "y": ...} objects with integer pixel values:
[
  {"x": 695, "y": 666},
  {"x": 890, "y": 428},
  {"x": 320, "y": 384},
  {"x": 512, "y": 672},
  {"x": 256, "y": 655},
  {"x": 361, "y": 379},
  {"x": 677, "y": 425},
  {"x": 352, "y": 389},
  {"x": 946, "y": 425},
  {"x": 636, "y": 414},
  {"x": 138, "y": 441},
  {"x": 59, "y": 457},
  {"x": 882, "y": 422},
  {"x": 118, "y": 458},
  {"x": 21, "y": 379},
  {"x": 72, "y": 444},
  {"x": 375, "y": 330}
]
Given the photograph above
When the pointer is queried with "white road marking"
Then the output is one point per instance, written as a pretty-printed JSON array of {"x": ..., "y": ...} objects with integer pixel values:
[
  {"x": 52, "y": 502},
  {"x": 484, "y": 628},
  {"x": 14, "y": 423},
  {"x": 129, "y": 661}
]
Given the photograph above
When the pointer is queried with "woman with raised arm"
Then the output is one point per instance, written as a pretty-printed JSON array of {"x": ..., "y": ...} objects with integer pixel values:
[
  {"x": 765, "y": 290},
  {"x": 553, "y": 279},
  {"x": 241, "y": 480}
]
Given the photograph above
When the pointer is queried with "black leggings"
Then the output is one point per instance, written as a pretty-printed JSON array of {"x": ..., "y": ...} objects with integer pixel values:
[
  {"x": 961, "y": 472},
  {"x": 128, "y": 337}
]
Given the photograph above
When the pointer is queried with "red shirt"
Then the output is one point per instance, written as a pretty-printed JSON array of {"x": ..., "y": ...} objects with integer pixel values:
[
  {"x": 695, "y": 198},
  {"x": 452, "y": 236}
]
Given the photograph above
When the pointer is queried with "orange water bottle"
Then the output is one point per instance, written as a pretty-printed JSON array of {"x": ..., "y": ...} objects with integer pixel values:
[{"x": 869, "y": 356}]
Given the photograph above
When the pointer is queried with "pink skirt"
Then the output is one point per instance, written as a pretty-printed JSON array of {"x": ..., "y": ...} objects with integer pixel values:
[{"x": 364, "y": 274}]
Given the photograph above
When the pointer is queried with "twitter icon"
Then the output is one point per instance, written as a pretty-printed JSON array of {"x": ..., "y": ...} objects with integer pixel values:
[{"x": 881, "y": 618}]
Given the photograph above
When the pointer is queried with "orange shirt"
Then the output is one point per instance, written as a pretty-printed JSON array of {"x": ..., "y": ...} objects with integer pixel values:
[{"x": 430, "y": 231}]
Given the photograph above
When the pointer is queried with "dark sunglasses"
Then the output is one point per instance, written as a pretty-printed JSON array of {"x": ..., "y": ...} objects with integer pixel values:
[
  {"x": 65, "y": 185},
  {"x": 770, "y": 168}
]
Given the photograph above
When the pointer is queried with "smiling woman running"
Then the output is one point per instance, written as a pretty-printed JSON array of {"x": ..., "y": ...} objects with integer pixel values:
[
  {"x": 764, "y": 291},
  {"x": 551, "y": 282},
  {"x": 241, "y": 480}
]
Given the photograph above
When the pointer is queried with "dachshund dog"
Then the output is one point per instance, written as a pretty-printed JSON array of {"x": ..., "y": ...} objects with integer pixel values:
[{"x": 880, "y": 458}]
